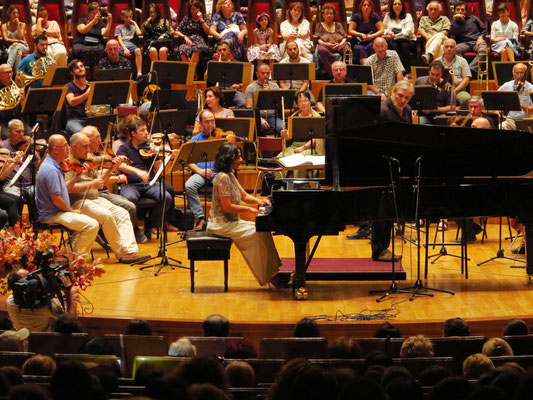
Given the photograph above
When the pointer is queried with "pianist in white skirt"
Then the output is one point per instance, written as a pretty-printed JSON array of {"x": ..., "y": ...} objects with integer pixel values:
[{"x": 257, "y": 248}]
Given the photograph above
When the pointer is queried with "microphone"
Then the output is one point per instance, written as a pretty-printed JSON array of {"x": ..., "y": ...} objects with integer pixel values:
[
  {"x": 391, "y": 159},
  {"x": 419, "y": 160}
]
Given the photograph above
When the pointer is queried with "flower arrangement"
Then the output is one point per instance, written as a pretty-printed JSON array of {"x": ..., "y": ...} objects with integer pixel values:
[{"x": 18, "y": 250}]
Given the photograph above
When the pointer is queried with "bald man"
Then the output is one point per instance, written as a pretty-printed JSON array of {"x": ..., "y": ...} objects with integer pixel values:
[
  {"x": 113, "y": 59},
  {"x": 461, "y": 72},
  {"x": 387, "y": 69},
  {"x": 481, "y": 123}
]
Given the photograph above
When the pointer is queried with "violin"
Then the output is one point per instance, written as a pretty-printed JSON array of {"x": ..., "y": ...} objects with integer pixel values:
[
  {"x": 26, "y": 144},
  {"x": 105, "y": 160},
  {"x": 150, "y": 149},
  {"x": 71, "y": 164},
  {"x": 219, "y": 133}
]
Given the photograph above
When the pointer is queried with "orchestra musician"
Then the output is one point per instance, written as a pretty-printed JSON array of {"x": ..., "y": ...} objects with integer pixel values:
[
  {"x": 23, "y": 188},
  {"x": 41, "y": 48},
  {"x": 339, "y": 70},
  {"x": 436, "y": 69},
  {"x": 77, "y": 95},
  {"x": 519, "y": 76},
  {"x": 7, "y": 111},
  {"x": 84, "y": 195},
  {"x": 143, "y": 169}
]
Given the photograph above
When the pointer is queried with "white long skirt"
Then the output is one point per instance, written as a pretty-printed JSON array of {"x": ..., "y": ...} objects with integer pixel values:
[{"x": 257, "y": 248}]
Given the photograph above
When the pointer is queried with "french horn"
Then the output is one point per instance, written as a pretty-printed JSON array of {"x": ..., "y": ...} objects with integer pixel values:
[{"x": 39, "y": 68}]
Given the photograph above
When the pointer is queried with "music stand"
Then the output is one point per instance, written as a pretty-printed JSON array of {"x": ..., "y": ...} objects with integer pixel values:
[
  {"x": 242, "y": 127},
  {"x": 228, "y": 95},
  {"x": 166, "y": 99},
  {"x": 166, "y": 73},
  {"x": 293, "y": 72},
  {"x": 525, "y": 125},
  {"x": 343, "y": 89},
  {"x": 307, "y": 128},
  {"x": 110, "y": 93},
  {"x": 360, "y": 73},
  {"x": 57, "y": 76},
  {"x": 425, "y": 98},
  {"x": 268, "y": 99},
  {"x": 101, "y": 122},
  {"x": 503, "y": 71},
  {"x": 43, "y": 100},
  {"x": 113, "y": 74},
  {"x": 227, "y": 73},
  {"x": 173, "y": 121},
  {"x": 501, "y": 101}
]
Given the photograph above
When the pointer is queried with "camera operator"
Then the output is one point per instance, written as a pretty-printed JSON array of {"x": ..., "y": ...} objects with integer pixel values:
[{"x": 35, "y": 317}]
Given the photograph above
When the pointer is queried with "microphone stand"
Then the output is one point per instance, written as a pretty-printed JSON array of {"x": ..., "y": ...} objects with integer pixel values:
[
  {"x": 417, "y": 288},
  {"x": 393, "y": 289}
]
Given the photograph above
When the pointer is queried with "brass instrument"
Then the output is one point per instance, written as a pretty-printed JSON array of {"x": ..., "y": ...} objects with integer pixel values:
[
  {"x": 10, "y": 96},
  {"x": 149, "y": 91},
  {"x": 483, "y": 66},
  {"x": 39, "y": 69},
  {"x": 347, "y": 55}
]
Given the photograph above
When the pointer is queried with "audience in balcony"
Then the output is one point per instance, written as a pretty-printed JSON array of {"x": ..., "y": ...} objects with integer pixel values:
[
  {"x": 496, "y": 347},
  {"x": 182, "y": 348},
  {"x": 240, "y": 374},
  {"x": 138, "y": 327},
  {"x": 434, "y": 28},
  {"x": 263, "y": 48},
  {"x": 229, "y": 26},
  {"x": 39, "y": 365},
  {"x": 504, "y": 35},
  {"x": 455, "y": 327},
  {"x": 158, "y": 34},
  {"x": 332, "y": 40},
  {"x": 296, "y": 27},
  {"x": 400, "y": 32},
  {"x": 91, "y": 33},
  {"x": 67, "y": 324},
  {"x": 193, "y": 29},
  {"x": 416, "y": 346},
  {"x": 515, "y": 327},
  {"x": 50, "y": 28},
  {"x": 475, "y": 365},
  {"x": 216, "y": 325},
  {"x": 306, "y": 328},
  {"x": 344, "y": 348},
  {"x": 240, "y": 349},
  {"x": 365, "y": 26},
  {"x": 387, "y": 330},
  {"x": 14, "y": 35}
]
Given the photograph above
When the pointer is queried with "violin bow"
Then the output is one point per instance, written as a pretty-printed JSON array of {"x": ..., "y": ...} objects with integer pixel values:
[{"x": 283, "y": 142}]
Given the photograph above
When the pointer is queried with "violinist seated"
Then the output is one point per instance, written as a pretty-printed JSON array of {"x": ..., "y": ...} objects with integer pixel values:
[
  {"x": 26, "y": 66},
  {"x": 9, "y": 108},
  {"x": 15, "y": 145},
  {"x": 444, "y": 90},
  {"x": 10, "y": 204},
  {"x": 84, "y": 195},
  {"x": 143, "y": 169},
  {"x": 213, "y": 97},
  {"x": 97, "y": 153},
  {"x": 524, "y": 89},
  {"x": 303, "y": 103}
]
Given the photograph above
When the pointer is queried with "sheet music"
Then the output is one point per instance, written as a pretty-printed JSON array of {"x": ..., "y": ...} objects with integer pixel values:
[
  {"x": 20, "y": 171},
  {"x": 160, "y": 170}
]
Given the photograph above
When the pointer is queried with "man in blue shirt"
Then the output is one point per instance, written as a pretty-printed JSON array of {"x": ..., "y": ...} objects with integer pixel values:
[
  {"x": 53, "y": 203},
  {"x": 41, "y": 47},
  {"x": 203, "y": 173}
]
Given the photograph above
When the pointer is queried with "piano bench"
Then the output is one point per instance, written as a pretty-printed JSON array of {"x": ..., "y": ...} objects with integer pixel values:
[{"x": 203, "y": 246}]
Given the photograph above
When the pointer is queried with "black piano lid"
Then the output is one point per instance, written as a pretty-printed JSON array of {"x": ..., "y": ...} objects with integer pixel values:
[{"x": 449, "y": 153}]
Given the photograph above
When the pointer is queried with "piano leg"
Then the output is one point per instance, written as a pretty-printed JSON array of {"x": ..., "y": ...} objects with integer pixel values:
[{"x": 298, "y": 281}]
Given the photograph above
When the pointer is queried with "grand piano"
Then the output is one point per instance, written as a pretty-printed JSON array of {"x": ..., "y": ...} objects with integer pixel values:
[{"x": 464, "y": 173}]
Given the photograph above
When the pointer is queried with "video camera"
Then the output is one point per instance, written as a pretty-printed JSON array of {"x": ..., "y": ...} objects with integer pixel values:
[{"x": 42, "y": 285}]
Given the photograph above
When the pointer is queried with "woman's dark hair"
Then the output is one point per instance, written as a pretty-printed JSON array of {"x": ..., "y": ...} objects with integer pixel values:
[
  {"x": 147, "y": 373},
  {"x": 456, "y": 327},
  {"x": 138, "y": 327},
  {"x": 292, "y": 5},
  {"x": 387, "y": 330},
  {"x": 263, "y": 14},
  {"x": 157, "y": 11},
  {"x": 393, "y": 15},
  {"x": 515, "y": 327},
  {"x": 217, "y": 92},
  {"x": 10, "y": 10},
  {"x": 360, "y": 8},
  {"x": 195, "y": 3},
  {"x": 227, "y": 153},
  {"x": 302, "y": 94},
  {"x": 306, "y": 327},
  {"x": 67, "y": 324}
]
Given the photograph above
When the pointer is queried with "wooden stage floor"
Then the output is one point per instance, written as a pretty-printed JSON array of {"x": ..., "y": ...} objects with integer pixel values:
[{"x": 493, "y": 293}]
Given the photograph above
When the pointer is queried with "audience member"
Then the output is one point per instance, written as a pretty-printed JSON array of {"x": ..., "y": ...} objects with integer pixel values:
[
  {"x": 525, "y": 386},
  {"x": 263, "y": 49},
  {"x": 377, "y": 358},
  {"x": 182, "y": 348},
  {"x": 203, "y": 370},
  {"x": 147, "y": 373},
  {"x": 127, "y": 35},
  {"x": 514, "y": 327},
  {"x": 365, "y": 26},
  {"x": 331, "y": 39},
  {"x": 475, "y": 365},
  {"x": 166, "y": 388},
  {"x": 512, "y": 367},
  {"x": 497, "y": 347},
  {"x": 434, "y": 29},
  {"x": 387, "y": 68},
  {"x": 107, "y": 374},
  {"x": 375, "y": 372},
  {"x": 157, "y": 33},
  {"x": 504, "y": 35},
  {"x": 416, "y": 346},
  {"x": 98, "y": 345},
  {"x": 400, "y": 32},
  {"x": 306, "y": 327},
  {"x": 241, "y": 349},
  {"x": 344, "y": 348},
  {"x": 394, "y": 372},
  {"x": 229, "y": 26},
  {"x": 193, "y": 29},
  {"x": 488, "y": 393},
  {"x": 12, "y": 374},
  {"x": 14, "y": 33},
  {"x": 50, "y": 28},
  {"x": 138, "y": 327},
  {"x": 40, "y": 365},
  {"x": 461, "y": 72},
  {"x": 216, "y": 325},
  {"x": 433, "y": 375},
  {"x": 454, "y": 387},
  {"x": 300, "y": 380},
  {"x": 240, "y": 374},
  {"x": 297, "y": 28},
  {"x": 387, "y": 330},
  {"x": 455, "y": 327},
  {"x": 67, "y": 324},
  {"x": 508, "y": 382},
  {"x": 71, "y": 380},
  {"x": 29, "y": 391},
  {"x": 205, "y": 391},
  {"x": 404, "y": 388},
  {"x": 361, "y": 388}
]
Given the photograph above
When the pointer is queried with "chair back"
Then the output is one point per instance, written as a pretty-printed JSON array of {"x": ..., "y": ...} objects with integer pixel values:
[
  {"x": 272, "y": 144},
  {"x": 477, "y": 8},
  {"x": 524, "y": 361},
  {"x": 265, "y": 370},
  {"x": 166, "y": 363},
  {"x": 521, "y": 344},
  {"x": 289, "y": 348},
  {"x": 389, "y": 346},
  {"x": 417, "y": 365},
  {"x": 50, "y": 343},
  {"x": 458, "y": 347},
  {"x": 14, "y": 358},
  {"x": 212, "y": 346}
]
